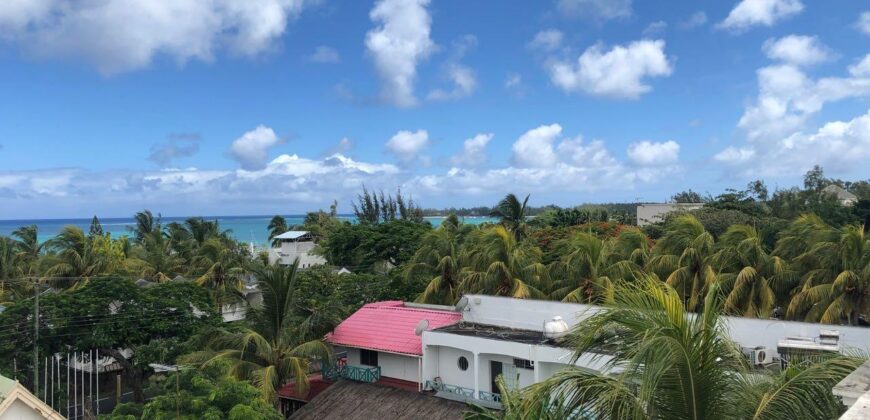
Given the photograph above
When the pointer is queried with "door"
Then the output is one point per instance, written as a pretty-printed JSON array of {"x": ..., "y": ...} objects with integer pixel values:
[{"x": 495, "y": 369}]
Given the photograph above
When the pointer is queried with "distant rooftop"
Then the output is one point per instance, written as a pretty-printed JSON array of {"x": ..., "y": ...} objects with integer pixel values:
[
  {"x": 292, "y": 234},
  {"x": 496, "y": 332}
]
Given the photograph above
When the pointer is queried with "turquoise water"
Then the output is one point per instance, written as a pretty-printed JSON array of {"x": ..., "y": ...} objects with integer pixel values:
[{"x": 244, "y": 228}]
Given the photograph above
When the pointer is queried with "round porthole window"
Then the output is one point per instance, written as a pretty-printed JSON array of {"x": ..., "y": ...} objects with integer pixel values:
[{"x": 463, "y": 363}]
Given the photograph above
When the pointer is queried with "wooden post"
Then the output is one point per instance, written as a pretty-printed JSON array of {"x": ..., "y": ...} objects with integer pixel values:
[{"x": 118, "y": 389}]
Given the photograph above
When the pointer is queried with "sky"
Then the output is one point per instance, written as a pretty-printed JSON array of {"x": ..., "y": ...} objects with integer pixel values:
[{"x": 221, "y": 107}]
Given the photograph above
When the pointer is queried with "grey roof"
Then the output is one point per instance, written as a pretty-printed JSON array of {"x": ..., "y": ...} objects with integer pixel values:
[
  {"x": 292, "y": 234},
  {"x": 358, "y": 401}
]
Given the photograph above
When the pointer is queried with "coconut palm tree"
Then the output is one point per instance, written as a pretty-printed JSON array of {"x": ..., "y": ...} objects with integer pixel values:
[
  {"x": 588, "y": 268},
  {"x": 78, "y": 258},
  {"x": 839, "y": 288},
  {"x": 271, "y": 349},
  {"x": 750, "y": 277},
  {"x": 512, "y": 214},
  {"x": 145, "y": 224},
  {"x": 157, "y": 260},
  {"x": 277, "y": 226},
  {"x": 500, "y": 265},
  {"x": 439, "y": 258},
  {"x": 681, "y": 257},
  {"x": 220, "y": 267},
  {"x": 28, "y": 249},
  {"x": 11, "y": 283},
  {"x": 664, "y": 363}
]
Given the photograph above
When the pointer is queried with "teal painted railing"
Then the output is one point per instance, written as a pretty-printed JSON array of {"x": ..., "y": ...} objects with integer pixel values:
[
  {"x": 369, "y": 374},
  {"x": 452, "y": 389},
  {"x": 489, "y": 396}
]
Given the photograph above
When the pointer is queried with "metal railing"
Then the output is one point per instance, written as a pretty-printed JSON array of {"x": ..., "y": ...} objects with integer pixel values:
[
  {"x": 368, "y": 374},
  {"x": 489, "y": 396}
]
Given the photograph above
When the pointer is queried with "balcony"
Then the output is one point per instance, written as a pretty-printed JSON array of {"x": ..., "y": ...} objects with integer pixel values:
[
  {"x": 367, "y": 374},
  {"x": 459, "y": 393}
]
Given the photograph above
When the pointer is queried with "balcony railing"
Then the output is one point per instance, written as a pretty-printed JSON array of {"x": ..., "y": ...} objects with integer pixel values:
[
  {"x": 368, "y": 374},
  {"x": 487, "y": 399},
  {"x": 451, "y": 389},
  {"x": 489, "y": 396}
]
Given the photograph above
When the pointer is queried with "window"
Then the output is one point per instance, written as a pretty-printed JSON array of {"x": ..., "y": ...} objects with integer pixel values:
[
  {"x": 463, "y": 363},
  {"x": 368, "y": 357},
  {"x": 524, "y": 364}
]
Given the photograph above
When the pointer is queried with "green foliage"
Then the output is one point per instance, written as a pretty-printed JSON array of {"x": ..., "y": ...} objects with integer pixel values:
[
  {"x": 374, "y": 208},
  {"x": 373, "y": 247}
]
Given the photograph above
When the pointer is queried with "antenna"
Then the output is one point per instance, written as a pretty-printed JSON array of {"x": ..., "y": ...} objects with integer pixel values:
[
  {"x": 423, "y": 325},
  {"x": 462, "y": 304}
]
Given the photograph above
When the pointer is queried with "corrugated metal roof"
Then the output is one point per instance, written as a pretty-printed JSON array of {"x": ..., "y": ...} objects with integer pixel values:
[
  {"x": 389, "y": 326},
  {"x": 292, "y": 234}
]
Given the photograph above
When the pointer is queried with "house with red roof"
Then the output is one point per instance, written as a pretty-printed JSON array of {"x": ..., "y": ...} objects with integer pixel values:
[{"x": 382, "y": 342}]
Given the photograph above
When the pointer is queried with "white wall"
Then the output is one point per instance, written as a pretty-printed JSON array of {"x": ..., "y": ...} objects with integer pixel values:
[
  {"x": 447, "y": 367},
  {"x": 20, "y": 411},
  {"x": 655, "y": 212},
  {"x": 392, "y": 365}
]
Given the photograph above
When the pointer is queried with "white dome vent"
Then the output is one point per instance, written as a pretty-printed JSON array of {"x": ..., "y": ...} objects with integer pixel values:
[{"x": 556, "y": 328}]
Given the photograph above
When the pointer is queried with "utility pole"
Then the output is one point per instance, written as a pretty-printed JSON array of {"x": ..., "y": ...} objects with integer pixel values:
[{"x": 35, "y": 340}]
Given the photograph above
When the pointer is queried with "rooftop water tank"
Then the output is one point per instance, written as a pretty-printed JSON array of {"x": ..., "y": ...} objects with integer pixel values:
[{"x": 556, "y": 328}]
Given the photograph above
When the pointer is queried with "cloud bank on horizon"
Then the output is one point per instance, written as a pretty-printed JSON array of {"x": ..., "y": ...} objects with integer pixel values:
[{"x": 275, "y": 105}]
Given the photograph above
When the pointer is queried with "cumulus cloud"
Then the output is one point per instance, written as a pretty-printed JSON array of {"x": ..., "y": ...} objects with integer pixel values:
[
  {"x": 595, "y": 9},
  {"x": 463, "y": 77},
  {"x": 750, "y": 13},
  {"x": 407, "y": 145},
  {"x": 647, "y": 153},
  {"x": 861, "y": 68},
  {"x": 618, "y": 73},
  {"x": 119, "y": 36},
  {"x": 797, "y": 49},
  {"x": 863, "y": 23},
  {"x": 697, "y": 19},
  {"x": 473, "y": 151},
  {"x": 735, "y": 155},
  {"x": 535, "y": 147},
  {"x": 546, "y": 40},
  {"x": 251, "y": 150},
  {"x": 342, "y": 147},
  {"x": 177, "y": 146},
  {"x": 324, "y": 54},
  {"x": 399, "y": 42}
]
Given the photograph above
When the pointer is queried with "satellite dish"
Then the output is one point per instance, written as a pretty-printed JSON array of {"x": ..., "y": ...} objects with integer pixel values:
[
  {"x": 462, "y": 304},
  {"x": 423, "y": 325}
]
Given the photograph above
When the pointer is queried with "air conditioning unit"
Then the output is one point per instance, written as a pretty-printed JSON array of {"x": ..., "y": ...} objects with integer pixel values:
[{"x": 758, "y": 356}]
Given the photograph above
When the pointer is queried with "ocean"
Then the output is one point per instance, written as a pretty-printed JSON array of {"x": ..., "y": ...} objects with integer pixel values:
[{"x": 249, "y": 229}]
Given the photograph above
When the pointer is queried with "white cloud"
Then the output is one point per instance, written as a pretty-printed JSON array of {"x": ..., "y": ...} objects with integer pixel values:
[
  {"x": 535, "y": 147},
  {"x": 342, "y": 147},
  {"x": 655, "y": 28},
  {"x": 697, "y": 19},
  {"x": 513, "y": 80},
  {"x": 463, "y": 77},
  {"x": 177, "y": 146},
  {"x": 547, "y": 40},
  {"x": 595, "y": 9},
  {"x": 399, "y": 42},
  {"x": 734, "y": 155},
  {"x": 647, "y": 153},
  {"x": 119, "y": 36},
  {"x": 797, "y": 50},
  {"x": 750, "y": 13},
  {"x": 617, "y": 73},
  {"x": 251, "y": 150},
  {"x": 407, "y": 145},
  {"x": 863, "y": 23},
  {"x": 324, "y": 54},
  {"x": 861, "y": 68},
  {"x": 473, "y": 151}
]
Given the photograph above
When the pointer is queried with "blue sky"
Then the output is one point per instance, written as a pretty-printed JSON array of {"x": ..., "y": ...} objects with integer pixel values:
[{"x": 220, "y": 107}]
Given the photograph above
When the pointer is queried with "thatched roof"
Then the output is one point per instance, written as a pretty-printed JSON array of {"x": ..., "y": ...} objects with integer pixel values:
[{"x": 353, "y": 400}]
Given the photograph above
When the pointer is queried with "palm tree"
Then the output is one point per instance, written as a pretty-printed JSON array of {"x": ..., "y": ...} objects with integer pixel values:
[
  {"x": 145, "y": 225},
  {"x": 750, "y": 277},
  {"x": 277, "y": 226},
  {"x": 666, "y": 364},
  {"x": 681, "y": 257},
  {"x": 156, "y": 258},
  {"x": 840, "y": 287},
  {"x": 271, "y": 350},
  {"x": 500, "y": 265},
  {"x": 512, "y": 214},
  {"x": 590, "y": 266},
  {"x": 78, "y": 257},
  {"x": 28, "y": 249},
  {"x": 220, "y": 267},
  {"x": 11, "y": 283},
  {"x": 439, "y": 258}
]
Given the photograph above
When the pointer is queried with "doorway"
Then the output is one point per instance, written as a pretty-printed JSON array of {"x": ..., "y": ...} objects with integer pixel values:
[{"x": 495, "y": 369}]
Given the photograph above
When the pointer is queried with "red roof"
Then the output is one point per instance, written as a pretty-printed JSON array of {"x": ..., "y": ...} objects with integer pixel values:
[
  {"x": 316, "y": 385},
  {"x": 389, "y": 326}
]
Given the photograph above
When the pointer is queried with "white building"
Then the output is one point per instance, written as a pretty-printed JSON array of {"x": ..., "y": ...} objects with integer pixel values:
[
  {"x": 295, "y": 244},
  {"x": 655, "y": 212},
  {"x": 845, "y": 198},
  {"x": 17, "y": 403}
]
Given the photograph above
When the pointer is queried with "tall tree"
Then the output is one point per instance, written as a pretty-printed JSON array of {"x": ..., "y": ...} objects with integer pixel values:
[
  {"x": 500, "y": 265},
  {"x": 438, "y": 258},
  {"x": 277, "y": 226},
  {"x": 145, "y": 224},
  {"x": 96, "y": 228},
  {"x": 512, "y": 214},
  {"x": 270, "y": 350},
  {"x": 682, "y": 257}
]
